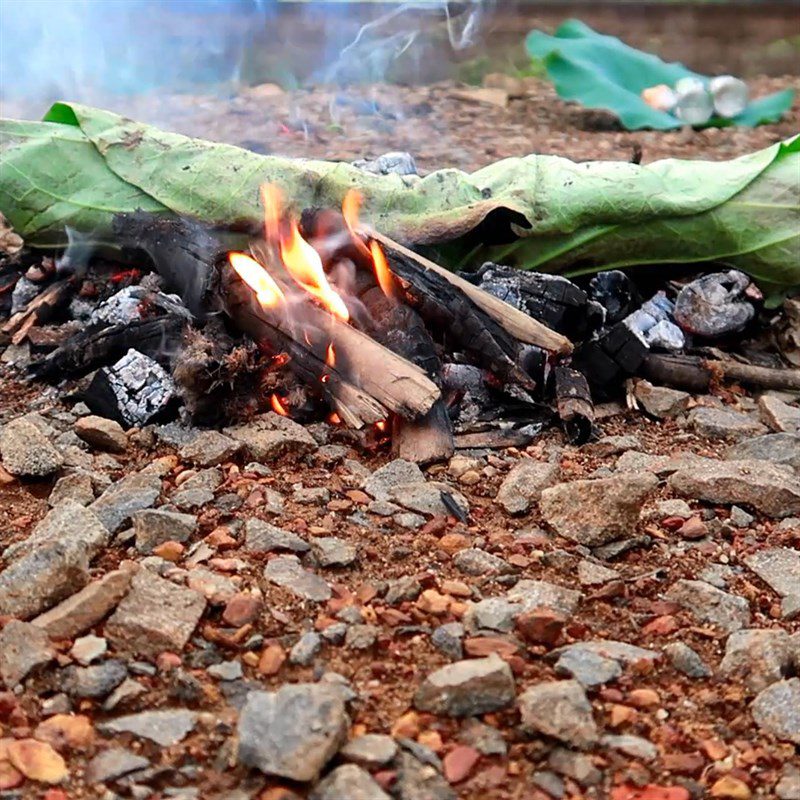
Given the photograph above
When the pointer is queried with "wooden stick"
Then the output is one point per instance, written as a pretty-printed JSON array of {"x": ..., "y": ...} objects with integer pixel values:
[
  {"x": 36, "y": 311},
  {"x": 695, "y": 373},
  {"x": 374, "y": 372},
  {"x": 517, "y": 323}
]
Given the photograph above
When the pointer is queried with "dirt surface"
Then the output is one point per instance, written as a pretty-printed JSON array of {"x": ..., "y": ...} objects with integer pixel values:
[{"x": 702, "y": 728}]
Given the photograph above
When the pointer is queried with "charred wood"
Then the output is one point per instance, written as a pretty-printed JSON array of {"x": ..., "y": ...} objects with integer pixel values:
[
  {"x": 574, "y": 404},
  {"x": 608, "y": 360},
  {"x": 40, "y": 309}
]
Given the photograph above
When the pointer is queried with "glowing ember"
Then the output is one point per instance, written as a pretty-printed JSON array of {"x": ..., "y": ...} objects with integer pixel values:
[
  {"x": 278, "y": 406},
  {"x": 382, "y": 271},
  {"x": 330, "y": 356},
  {"x": 334, "y": 418},
  {"x": 381, "y": 425},
  {"x": 257, "y": 278}
]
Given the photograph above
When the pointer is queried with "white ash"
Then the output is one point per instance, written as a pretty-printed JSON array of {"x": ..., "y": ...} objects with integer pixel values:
[
  {"x": 125, "y": 306},
  {"x": 653, "y": 324},
  {"x": 398, "y": 163},
  {"x": 141, "y": 387},
  {"x": 467, "y": 380},
  {"x": 23, "y": 293}
]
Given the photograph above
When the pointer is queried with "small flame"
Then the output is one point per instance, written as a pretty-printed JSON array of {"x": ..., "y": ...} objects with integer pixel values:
[
  {"x": 382, "y": 271},
  {"x": 351, "y": 207},
  {"x": 334, "y": 418},
  {"x": 381, "y": 425},
  {"x": 268, "y": 292},
  {"x": 278, "y": 406},
  {"x": 305, "y": 266},
  {"x": 272, "y": 199},
  {"x": 330, "y": 356}
]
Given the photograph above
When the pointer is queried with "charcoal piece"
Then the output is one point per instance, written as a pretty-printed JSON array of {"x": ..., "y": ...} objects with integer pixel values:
[
  {"x": 616, "y": 292},
  {"x": 134, "y": 391},
  {"x": 89, "y": 350},
  {"x": 717, "y": 304},
  {"x": 134, "y": 302},
  {"x": 183, "y": 252},
  {"x": 653, "y": 324},
  {"x": 609, "y": 359},
  {"x": 551, "y": 299},
  {"x": 575, "y": 405},
  {"x": 397, "y": 163}
]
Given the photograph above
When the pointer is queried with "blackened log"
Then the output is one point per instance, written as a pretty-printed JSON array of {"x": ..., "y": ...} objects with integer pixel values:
[
  {"x": 400, "y": 328},
  {"x": 84, "y": 352},
  {"x": 608, "y": 360},
  {"x": 552, "y": 299},
  {"x": 574, "y": 404},
  {"x": 696, "y": 374},
  {"x": 183, "y": 252}
]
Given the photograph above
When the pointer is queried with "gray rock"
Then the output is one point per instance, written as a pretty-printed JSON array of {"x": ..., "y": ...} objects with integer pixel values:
[
  {"x": 372, "y": 750},
  {"x": 660, "y": 401},
  {"x": 226, "y": 671},
  {"x": 559, "y": 709},
  {"x": 156, "y": 615},
  {"x": 757, "y": 657},
  {"x": 622, "y": 652},
  {"x": 405, "y": 588},
  {"x": 77, "y": 486},
  {"x": 88, "y": 649},
  {"x": 592, "y": 574},
  {"x": 778, "y": 567},
  {"x": 270, "y": 436},
  {"x": 524, "y": 484},
  {"x": 722, "y": 423},
  {"x": 102, "y": 433},
  {"x": 595, "y": 512},
  {"x": 486, "y": 739},
  {"x": 739, "y": 518},
  {"x": 474, "y": 561},
  {"x": 293, "y": 732},
  {"x": 215, "y": 587},
  {"x": 350, "y": 782},
  {"x": 587, "y": 667},
  {"x": 306, "y": 649},
  {"x": 97, "y": 680},
  {"x": 127, "y": 690},
  {"x": 467, "y": 688},
  {"x": 672, "y": 508},
  {"x": 419, "y": 781},
  {"x": 709, "y": 604},
  {"x": 779, "y": 448},
  {"x": 772, "y": 490},
  {"x": 577, "y": 766},
  {"x": 493, "y": 613},
  {"x": 776, "y": 710},
  {"x": 335, "y": 633},
  {"x": 613, "y": 445},
  {"x": 383, "y": 481},
  {"x": 112, "y": 764},
  {"x": 198, "y": 490},
  {"x": 286, "y": 571},
  {"x": 779, "y": 416},
  {"x": 361, "y": 637},
  {"x": 311, "y": 495},
  {"x": 530, "y": 595},
  {"x": 165, "y": 727},
  {"x": 153, "y": 527},
  {"x": 383, "y": 508},
  {"x": 121, "y": 500},
  {"x": 44, "y": 577},
  {"x": 426, "y": 498},
  {"x": 633, "y": 746},
  {"x": 27, "y": 452},
  {"x": 85, "y": 608},
  {"x": 23, "y": 648},
  {"x": 262, "y": 537},
  {"x": 447, "y": 639},
  {"x": 210, "y": 448},
  {"x": 69, "y": 522},
  {"x": 790, "y": 607},
  {"x": 410, "y": 520},
  {"x": 788, "y": 787},
  {"x": 686, "y": 660},
  {"x": 332, "y": 551},
  {"x": 550, "y": 784}
]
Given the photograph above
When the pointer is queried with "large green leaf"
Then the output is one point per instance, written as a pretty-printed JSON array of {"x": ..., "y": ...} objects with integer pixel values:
[
  {"x": 83, "y": 165},
  {"x": 602, "y": 72}
]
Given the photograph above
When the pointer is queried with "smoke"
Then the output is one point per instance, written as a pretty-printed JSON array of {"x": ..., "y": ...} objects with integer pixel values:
[{"x": 95, "y": 51}]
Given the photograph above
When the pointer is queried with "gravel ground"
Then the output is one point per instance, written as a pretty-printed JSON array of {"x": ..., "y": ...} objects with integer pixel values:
[{"x": 433, "y": 647}]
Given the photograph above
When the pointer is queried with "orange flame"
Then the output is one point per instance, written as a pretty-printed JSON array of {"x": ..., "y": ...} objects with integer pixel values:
[
  {"x": 330, "y": 356},
  {"x": 381, "y": 425},
  {"x": 382, "y": 271},
  {"x": 351, "y": 206},
  {"x": 272, "y": 199},
  {"x": 268, "y": 292},
  {"x": 334, "y": 418},
  {"x": 279, "y": 406}
]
